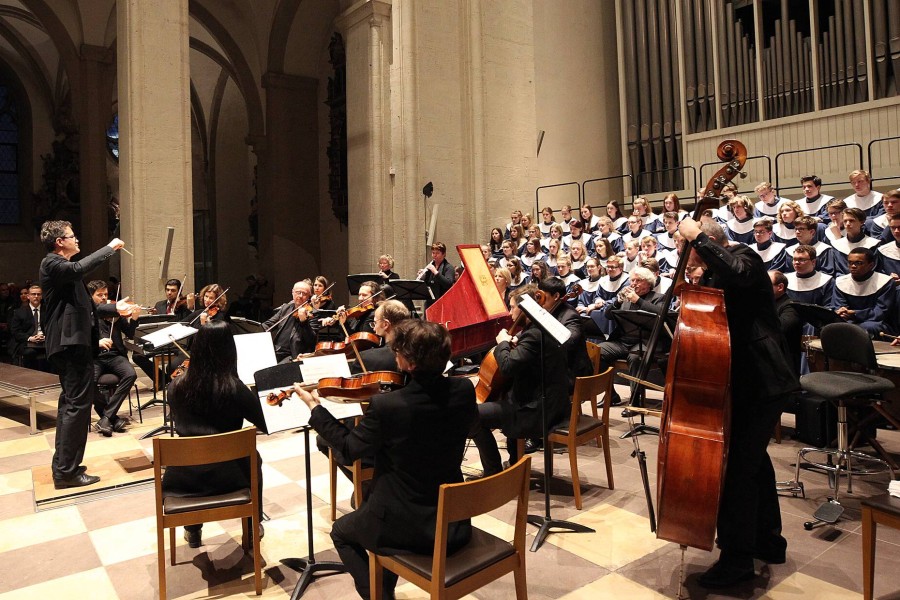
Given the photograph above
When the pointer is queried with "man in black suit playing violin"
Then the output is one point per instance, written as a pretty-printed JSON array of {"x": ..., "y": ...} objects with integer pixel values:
[
  {"x": 749, "y": 520},
  {"x": 290, "y": 325}
]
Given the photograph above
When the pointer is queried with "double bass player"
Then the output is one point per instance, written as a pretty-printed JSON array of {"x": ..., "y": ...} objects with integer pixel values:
[{"x": 749, "y": 519}]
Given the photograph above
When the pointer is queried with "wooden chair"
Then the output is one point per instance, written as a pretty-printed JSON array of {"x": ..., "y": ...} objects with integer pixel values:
[
  {"x": 581, "y": 429},
  {"x": 879, "y": 510},
  {"x": 593, "y": 351},
  {"x": 172, "y": 512},
  {"x": 360, "y": 475},
  {"x": 484, "y": 559}
]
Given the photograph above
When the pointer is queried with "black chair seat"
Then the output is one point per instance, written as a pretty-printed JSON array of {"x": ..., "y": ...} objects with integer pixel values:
[
  {"x": 835, "y": 385},
  {"x": 108, "y": 379},
  {"x": 482, "y": 550},
  {"x": 585, "y": 424},
  {"x": 173, "y": 504}
]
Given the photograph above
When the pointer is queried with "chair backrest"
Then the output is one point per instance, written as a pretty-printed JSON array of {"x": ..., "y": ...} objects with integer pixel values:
[
  {"x": 586, "y": 390},
  {"x": 593, "y": 351},
  {"x": 850, "y": 343},
  {"x": 458, "y": 501},
  {"x": 204, "y": 449}
]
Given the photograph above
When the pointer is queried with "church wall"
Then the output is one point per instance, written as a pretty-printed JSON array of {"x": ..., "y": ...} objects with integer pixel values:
[
  {"x": 577, "y": 101},
  {"x": 233, "y": 177}
]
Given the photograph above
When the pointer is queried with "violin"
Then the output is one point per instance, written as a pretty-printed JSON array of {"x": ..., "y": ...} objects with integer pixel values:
[
  {"x": 182, "y": 369},
  {"x": 358, "y": 387},
  {"x": 363, "y": 341}
]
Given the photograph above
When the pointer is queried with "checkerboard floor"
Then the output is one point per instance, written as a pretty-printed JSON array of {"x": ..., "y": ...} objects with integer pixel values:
[{"x": 106, "y": 547}]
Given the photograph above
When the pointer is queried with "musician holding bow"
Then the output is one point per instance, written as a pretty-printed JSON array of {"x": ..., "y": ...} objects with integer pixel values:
[
  {"x": 749, "y": 520},
  {"x": 290, "y": 325},
  {"x": 416, "y": 435}
]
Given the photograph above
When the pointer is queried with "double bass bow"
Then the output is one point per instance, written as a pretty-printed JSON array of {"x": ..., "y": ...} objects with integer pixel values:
[{"x": 696, "y": 402}]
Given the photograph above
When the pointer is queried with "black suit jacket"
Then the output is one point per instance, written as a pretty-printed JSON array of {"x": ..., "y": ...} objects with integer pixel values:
[
  {"x": 111, "y": 325},
  {"x": 302, "y": 338},
  {"x": 760, "y": 368},
  {"x": 440, "y": 283},
  {"x": 180, "y": 313},
  {"x": 578, "y": 363},
  {"x": 650, "y": 302},
  {"x": 376, "y": 359},
  {"x": 521, "y": 365},
  {"x": 68, "y": 315},
  {"x": 417, "y": 435},
  {"x": 21, "y": 327}
]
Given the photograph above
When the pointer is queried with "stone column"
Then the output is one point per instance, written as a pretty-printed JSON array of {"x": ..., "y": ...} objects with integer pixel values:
[
  {"x": 376, "y": 224},
  {"x": 154, "y": 143},
  {"x": 93, "y": 107},
  {"x": 288, "y": 170}
]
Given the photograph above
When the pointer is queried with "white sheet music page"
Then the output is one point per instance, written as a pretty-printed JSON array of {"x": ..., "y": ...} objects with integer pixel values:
[
  {"x": 333, "y": 365},
  {"x": 164, "y": 336},
  {"x": 544, "y": 319},
  {"x": 255, "y": 351}
]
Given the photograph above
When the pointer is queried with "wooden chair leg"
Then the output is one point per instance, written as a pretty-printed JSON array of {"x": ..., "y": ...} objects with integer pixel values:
[
  {"x": 868, "y": 550},
  {"x": 604, "y": 436},
  {"x": 161, "y": 560},
  {"x": 573, "y": 465},
  {"x": 332, "y": 483},
  {"x": 257, "y": 553},
  {"x": 245, "y": 534},
  {"x": 521, "y": 587},
  {"x": 172, "y": 544},
  {"x": 376, "y": 578}
]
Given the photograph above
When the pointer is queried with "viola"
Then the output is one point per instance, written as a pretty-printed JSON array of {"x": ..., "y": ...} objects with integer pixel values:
[
  {"x": 362, "y": 340},
  {"x": 356, "y": 388}
]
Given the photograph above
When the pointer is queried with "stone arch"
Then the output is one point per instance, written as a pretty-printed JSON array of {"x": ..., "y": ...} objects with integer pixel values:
[
  {"x": 282, "y": 22},
  {"x": 243, "y": 74}
]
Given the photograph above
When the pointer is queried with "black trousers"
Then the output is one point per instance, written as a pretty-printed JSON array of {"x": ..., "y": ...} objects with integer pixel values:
[
  {"x": 76, "y": 376},
  {"x": 749, "y": 515},
  {"x": 347, "y": 541},
  {"x": 490, "y": 416},
  {"x": 115, "y": 364}
]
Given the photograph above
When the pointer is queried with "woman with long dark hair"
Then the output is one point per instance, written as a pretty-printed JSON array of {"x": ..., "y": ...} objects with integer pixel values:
[{"x": 208, "y": 399}]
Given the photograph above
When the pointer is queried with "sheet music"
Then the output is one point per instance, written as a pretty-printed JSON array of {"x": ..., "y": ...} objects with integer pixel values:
[
  {"x": 547, "y": 321},
  {"x": 178, "y": 331},
  {"x": 294, "y": 414},
  {"x": 255, "y": 351},
  {"x": 317, "y": 367}
]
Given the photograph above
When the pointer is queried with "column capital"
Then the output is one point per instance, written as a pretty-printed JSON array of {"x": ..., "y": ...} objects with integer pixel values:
[{"x": 374, "y": 12}]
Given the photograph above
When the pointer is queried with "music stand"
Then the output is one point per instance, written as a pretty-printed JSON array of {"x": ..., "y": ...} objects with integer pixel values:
[
  {"x": 408, "y": 290},
  {"x": 637, "y": 324},
  {"x": 815, "y": 315},
  {"x": 558, "y": 334},
  {"x": 150, "y": 319},
  {"x": 284, "y": 376},
  {"x": 354, "y": 281},
  {"x": 241, "y": 325}
]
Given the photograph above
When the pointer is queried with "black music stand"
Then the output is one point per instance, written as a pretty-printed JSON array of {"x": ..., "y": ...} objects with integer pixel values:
[
  {"x": 354, "y": 281},
  {"x": 149, "y": 324},
  {"x": 815, "y": 315},
  {"x": 546, "y": 522},
  {"x": 241, "y": 325},
  {"x": 283, "y": 376},
  {"x": 167, "y": 425},
  {"x": 637, "y": 324},
  {"x": 407, "y": 290}
]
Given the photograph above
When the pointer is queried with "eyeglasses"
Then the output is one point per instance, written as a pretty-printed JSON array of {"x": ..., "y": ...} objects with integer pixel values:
[
  {"x": 857, "y": 263},
  {"x": 68, "y": 237},
  {"x": 800, "y": 261},
  {"x": 802, "y": 229}
]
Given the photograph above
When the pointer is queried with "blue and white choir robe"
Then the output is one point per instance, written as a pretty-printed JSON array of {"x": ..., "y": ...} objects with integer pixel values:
[
  {"x": 815, "y": 288},
  {"x": 740, "y": 231},
  {"x": 889, "y": 258},
  {"x": 772, "y": 254},
  {"x": 869, "y": 204},
  {"x": 607, "y": 289},
  {"x": 824, "y": 258},
  {"x": 842, "y": 248},
  {"x": 761, "y": 209},
  {"x": 874, "y": 300},
  {"x": 784, "y": 233},
  {"x": 816, "y": 207}
]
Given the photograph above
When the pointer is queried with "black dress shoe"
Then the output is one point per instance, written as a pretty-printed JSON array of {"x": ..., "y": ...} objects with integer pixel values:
[
  {"x": 532, "y": 446},
  {"x": 104, "y": 427},
  {"x": 119, "y": 426},
  {"x": 79, "y": 480},
  {"x": 727, "y": 573},
  {"x": 773, "y": 553},
  {"x": 193, "y": 538}
]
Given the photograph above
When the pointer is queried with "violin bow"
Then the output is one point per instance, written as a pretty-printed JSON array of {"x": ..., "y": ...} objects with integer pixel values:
[
  {"x": 183, "y": 351},
  {"x": 211, "y": 303},
  {"x": 355, "y": 350}
]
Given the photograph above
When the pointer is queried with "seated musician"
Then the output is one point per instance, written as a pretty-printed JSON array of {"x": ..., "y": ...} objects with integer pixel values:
[
  {"x": 806, "y": 283},
  {"x": 411, "y": 461},
  {"x": 578, "y": 363},
  {"x": 386, "y": 267},
  {"x": 290, "y": 326},
  {"x": 214, "y": 308},
  {"x": 112, "y": 357},
  {"x": 320, "y": 300},
  {"x": 25, "y": 329},
  {"x": 209, "y": 398},
  {"x": 439, "y": 274},
  {"x": 638, "y": 295},
  {"x": 173, "y": 305},
  {"x": 518, "y": 411},
  {"x": 791, "y": 323},
  {"x": 358, "y": 318},
  {"x": 864, "y": 296}
]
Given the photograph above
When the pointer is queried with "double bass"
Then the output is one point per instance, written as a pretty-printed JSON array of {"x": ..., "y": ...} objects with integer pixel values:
[{"x": 695, "y": 422}]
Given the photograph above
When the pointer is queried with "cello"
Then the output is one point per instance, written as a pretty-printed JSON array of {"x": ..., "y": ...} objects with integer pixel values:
[{"x": 695, "y": 422}]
